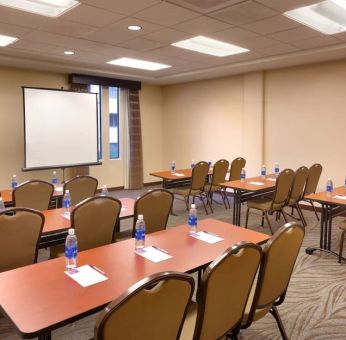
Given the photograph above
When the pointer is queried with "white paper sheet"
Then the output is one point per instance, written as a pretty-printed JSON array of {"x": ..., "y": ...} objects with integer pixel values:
[
  {"x": 153, "y": 254},
  {"x": 271, "y": 179},
  {"x": 86, "y": 275},
  {"x": 207, "y": 237},
  {"x": 256, "y": 183},
  {"x": 340, "y": 197},
  {"x": 67, "y": 216},
  {"x": 123, "y": 209},
  {"x": 58, "y": 189},
  {"x": 178, "y": 174}
]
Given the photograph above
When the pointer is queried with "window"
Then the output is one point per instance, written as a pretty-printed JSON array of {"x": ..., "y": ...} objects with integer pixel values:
[
  {"x": 97, "y": 89},
  {"x": 113, "y": 122}
]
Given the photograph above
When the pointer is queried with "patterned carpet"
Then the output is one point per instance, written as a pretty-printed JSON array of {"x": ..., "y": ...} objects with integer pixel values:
[{"x": 315, "y": 305}]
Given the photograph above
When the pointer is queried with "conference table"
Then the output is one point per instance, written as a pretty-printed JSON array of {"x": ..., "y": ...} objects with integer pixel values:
[
  {"x": 40, "y": 298},
  {"x": 248, "y": 188},
  {"x": 332, "y": 204},
  {"x": 56, "y": 223}
]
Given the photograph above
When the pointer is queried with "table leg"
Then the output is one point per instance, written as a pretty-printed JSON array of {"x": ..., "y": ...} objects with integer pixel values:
[
  {"x": 45, "y": 336},
  {"x": 236, "y": 207}
]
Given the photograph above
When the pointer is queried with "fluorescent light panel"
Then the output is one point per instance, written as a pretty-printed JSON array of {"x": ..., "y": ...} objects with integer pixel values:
[
  {"x": 137, "y": 63},
  {"x": 328, "y": 17},
  {"x": 6, "y": 40},
  {"x": 49, "y": 8},
  {"x": 210, "y": 46}
]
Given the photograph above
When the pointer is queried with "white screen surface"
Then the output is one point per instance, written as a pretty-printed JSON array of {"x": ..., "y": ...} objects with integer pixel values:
[{"x": 60, "y": 128}]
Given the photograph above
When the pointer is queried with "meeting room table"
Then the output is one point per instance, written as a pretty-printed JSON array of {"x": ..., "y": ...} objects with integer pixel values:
[
  {"x": 332, "y": 205},
  {"x": 248, "y": 188},
  {"x": 40, "y": 298}
]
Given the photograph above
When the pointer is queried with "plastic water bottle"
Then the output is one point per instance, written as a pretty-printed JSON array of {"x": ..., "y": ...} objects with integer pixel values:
[
  {"x": 2, "y": 205},
  {"x": 329, "y": 187},
  {"x": 263, "y": 171},
  {"x": 173, "y": 167},
  {"x": 345, "y": 181},
  {"x": 66, "y": 202},
  {"x": 54, "y": 178},
  {"x": 104, "y": 191},
  {"x": 276, "y": 169},
  {"x": 140, "y": 233},
  {"x": 193, "y": 219},
  {"x": 14, "y": 182},
  {"x": 210, "y": 164},
  {"x": 242, "y": 175},
  {"x": 71, "y": 250},
  {"x": 192, "y": 164}
]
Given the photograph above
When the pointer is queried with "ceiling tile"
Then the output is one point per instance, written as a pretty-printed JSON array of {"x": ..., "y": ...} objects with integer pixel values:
[
  {"x": 294, "y": 34},
  {"x": 141, "y": 44},
  {"x": 168, "y": 51},
  {"x": 258, "y": 42},
  {"x": 13, "y": 30},
  {"x": 33, "y": 46},
  {"x": 92, "y": 16},
  {"x": 166, "y": 14},
  {"x": 320, "y": 41},
  {"x": 46, "y": 37},
  {"x": 234, "y": 35},
  {"x": 272, "y": 25},
  {"x": 127, "y": 7},
  {"x": 286, "y": 5},
  {"x": 168, "y": 36},
  {"x": 201, "y": 25},
  {"x": 244, "y": 13},
  {"x": 277, "y": 49},
  {"x": 118, "y": 32}
]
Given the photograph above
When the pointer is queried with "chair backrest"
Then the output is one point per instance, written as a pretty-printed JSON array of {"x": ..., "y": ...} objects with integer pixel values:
[
  {"x": 282, "y": 188},
  {"x": 154, "y": 308},
  {"x": 81, "y": 187},
  {"x": 20, "y": 230},
  {"x": 298, "y": 184},
  {"x": 313, "y": 178},
  {"x": 279, "y": 257},
  {"x": 155, "y": 206},
  {"x": 219, "y": 171},
  {"x": 199, "y": 175},
  {"x": 34, "y": 194},
  {"x": 224, "y": 291},
  {"x": 236, "y": 166},
  {"x": 94, "y": 220}
]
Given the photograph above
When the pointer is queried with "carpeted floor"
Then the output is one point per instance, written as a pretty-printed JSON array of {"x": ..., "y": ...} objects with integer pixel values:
[{"x": 315, "y": 305}]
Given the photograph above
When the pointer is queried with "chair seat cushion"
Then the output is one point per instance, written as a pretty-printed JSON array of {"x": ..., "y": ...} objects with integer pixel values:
[
  {"x": 190, "y": 322},
  {"x": 212, "y": 188},
  {"x": 261, "y": 203},
  {"x": 185, "y": 191},
  {"x": 343, "y": 225}
]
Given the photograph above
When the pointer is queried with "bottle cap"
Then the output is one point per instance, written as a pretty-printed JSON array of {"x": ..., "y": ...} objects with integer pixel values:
[
  {"x": 67, "y": 191},
  {"x": 329, "y": 179},
  {"x": 1, "y": 199},
  {"x": 104, "y": 186},
  {"x": 71, "y": 231},
  {"x": 140, "y": 217},
  {"x": 54, "y": 172},
  {"x": 193, "y": 206},
  {"x": 14, "y": 176},
  {"x": 263, "y": 166}
]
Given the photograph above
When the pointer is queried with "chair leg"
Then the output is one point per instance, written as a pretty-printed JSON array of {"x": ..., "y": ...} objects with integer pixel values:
[
  {"x": 300, "y": 213},
  {"x": 292, "y": 210},
  {"x": 187, "y": 202},
  {"x": 267, "y": 219},
  {"x": 341, "y": 245},
  {"x": 205, "y": 208},
  {"x": 284, "y": 215},
  {"x": 210, "y": 201},
  {"x": 229, "y": 205},
  {"x": 312, "y": 204},
  {"x": 223, "y": 196},
  {"x": 262, "y": 222},
  {"x": 278, "y": 320},
  {"x": 247, "y": 216}
]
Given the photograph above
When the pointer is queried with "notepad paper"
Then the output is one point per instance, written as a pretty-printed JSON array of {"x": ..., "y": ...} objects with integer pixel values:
[
  {"x": 203, "y": 236},
  {"x": 86, "y": 275},
  {"x": 257, "y": 183},
  {"x": 67, "y": 216},
  {"x": 58, "y": 189},
  {"x": 340, "y": 197},
  {"x": 123, "y": 209},
  {"x": 178, "y": 174},
  {"x": 153, "y": 254},
  {"x": 271, "y": 179}
]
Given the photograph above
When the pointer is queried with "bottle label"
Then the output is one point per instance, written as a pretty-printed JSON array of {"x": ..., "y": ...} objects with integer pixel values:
[
  {"x": 54, "y": 180},
  {"x": 277, "y": 170},
  {"x": 192, "y": 221},
  {"x": 14, "y": 184},
  {"x": 71, "y": 252},
  {"x": 67, "y": 203},
  {"x": 263, "y": 172},
  {"x": 329, "y": 188},
  {"x": 173, "y": 168},
  {"x": 140, "y": 234}
]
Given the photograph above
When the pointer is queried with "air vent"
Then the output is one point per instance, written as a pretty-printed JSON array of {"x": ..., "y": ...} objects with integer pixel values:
[{"x": 205, "y": 6}]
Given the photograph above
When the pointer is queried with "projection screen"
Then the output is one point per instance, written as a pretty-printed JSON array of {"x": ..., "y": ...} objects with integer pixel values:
[{"x": 60, "y": 128}]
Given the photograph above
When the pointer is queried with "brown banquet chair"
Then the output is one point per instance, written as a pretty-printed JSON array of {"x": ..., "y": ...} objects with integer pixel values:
[
  {"x": 33, "y": 194},
  {"x": 154, "y": 308},
  {"x": 20, "y": 230},
  {"x": 81, "y": 187},
  {"x": 342, "y": 237}
]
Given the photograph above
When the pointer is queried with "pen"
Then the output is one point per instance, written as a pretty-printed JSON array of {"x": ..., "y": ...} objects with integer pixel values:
[
  {"x": 97, "y": 269},
  {"x": 208, "y": 232},
  {"x": 160, "y": 249}
]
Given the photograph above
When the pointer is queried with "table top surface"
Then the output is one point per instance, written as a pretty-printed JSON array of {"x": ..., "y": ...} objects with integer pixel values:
[
  {"x": 55, "y": 220},
  {"x": 330, "y": 198},
  {"x": 252, "y": 184},
  {"x": 179, "y": 174},
  {"x": 42, "y": 297},
  {"x": 6, "y": 194}
]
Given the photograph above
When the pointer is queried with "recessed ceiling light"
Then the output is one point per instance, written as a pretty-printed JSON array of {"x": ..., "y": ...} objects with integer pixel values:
[
  {"x": 210, "y": 46},
  {"x": 328, "y": 17},
  {"x": 49, "y": 8},
  {"x": 137, "y": 63},
  {"x": 69, "y": 52},
  {"x": 134, "y": 27},
  {"x": 6, "y": 40}
]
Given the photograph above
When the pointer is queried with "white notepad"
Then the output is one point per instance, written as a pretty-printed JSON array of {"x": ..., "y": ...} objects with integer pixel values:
[
  {"x": 86, "y": 275},
  {"x": 58, "y": 189},
  {"x": 153, "y": 254},
  {"x": 67, "y": 216},
  {"x": 256, "y": 183},
  {"x": 123, "y": 209},
  {"x": 178, "y": 174},
  {"x": 271, "y": 179},
  {"x": 340, "y": 197},
  {"x": 207, "y": 237}
]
